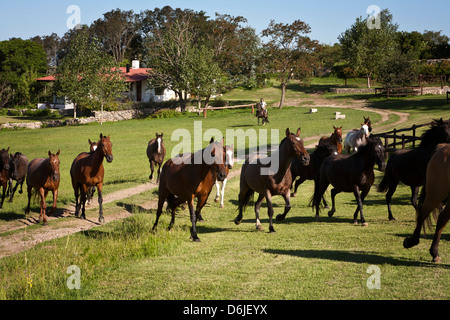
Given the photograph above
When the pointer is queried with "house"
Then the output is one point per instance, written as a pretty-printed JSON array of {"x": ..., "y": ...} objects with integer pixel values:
[{"x": 140, "y": 90}]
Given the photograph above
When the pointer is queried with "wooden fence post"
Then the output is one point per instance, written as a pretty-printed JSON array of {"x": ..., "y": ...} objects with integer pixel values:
[
  {"x": 253, "y": 108},
  {"x": 414, "y": 136},
  {"x": 403, "y": 141},
  {"x": 386, "y": 146},
  {"x": 395, "y": 139},
  {"x": 204, "y": 113}
]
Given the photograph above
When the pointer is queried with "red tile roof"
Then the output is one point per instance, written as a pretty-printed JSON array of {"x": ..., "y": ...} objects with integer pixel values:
[{"x": 134, "y": 75}]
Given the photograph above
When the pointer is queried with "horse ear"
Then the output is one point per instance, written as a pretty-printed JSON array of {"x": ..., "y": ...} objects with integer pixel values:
[
  {"x": 299, "y": 131},
  {"x": 288, "y": 133},
  {"x": 162, "y": 134},
  {"x": 49, "y": 153},
  {"x": 156, "y": 135},
  {"x": 101, "y": 135},
  {"x": 58, "y": 152},
  {"x": 212, "y": 140}
]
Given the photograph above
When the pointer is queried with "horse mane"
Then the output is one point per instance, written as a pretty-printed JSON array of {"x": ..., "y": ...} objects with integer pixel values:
[
  {"x": 436, "y": 134},
  {"x": 371, "y": 141}
]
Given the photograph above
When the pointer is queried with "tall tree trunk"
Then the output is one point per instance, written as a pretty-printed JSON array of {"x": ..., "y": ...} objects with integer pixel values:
[
  {"x": 283, "y": 93},
  {"x": 74, "y": 110},
  {"x": 369, "y": 82},
  {"x": 101, "y": 114}
]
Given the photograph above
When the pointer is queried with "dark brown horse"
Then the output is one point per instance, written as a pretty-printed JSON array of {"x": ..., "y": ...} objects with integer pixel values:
[
  {"x": 350, "y": 174},
  {"x": 191, "y": 176},
  {"x": 409, "y": 166},
  {"x": 156, "y": 152},
  {"x": 310, "y": 171},
  {"x": 435, "y": 191},
  {"x": 258, "y": 176},
  {"x": 43, "y": 176},
  {"x": 335, "y": 139},
  {"x": 87, "y": 171},
  {"x": 17, "y": 171},
  {"x": 262, "y": 114},
  {"x": 4, "y": 172}
]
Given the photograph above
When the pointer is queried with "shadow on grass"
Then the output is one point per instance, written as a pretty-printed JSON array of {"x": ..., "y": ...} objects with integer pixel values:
[{"x": 354, "y": 257}]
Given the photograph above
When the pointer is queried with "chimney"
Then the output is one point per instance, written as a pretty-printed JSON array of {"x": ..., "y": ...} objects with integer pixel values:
[
  {"x": 128, "y": 68},
  {"x": 135, "y": 64}
]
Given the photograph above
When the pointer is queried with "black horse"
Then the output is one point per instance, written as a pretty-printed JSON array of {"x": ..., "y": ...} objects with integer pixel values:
[
  {"x": 410, "y": 166},
  {"x": 309, "y": 171},
  {"x": 262, "y": 114},
  {"x": 18, "y": 168},
  {"x": 350, "y": 174}
]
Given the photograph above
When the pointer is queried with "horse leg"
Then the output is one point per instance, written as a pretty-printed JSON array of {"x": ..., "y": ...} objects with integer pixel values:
[
  {"x": 43, "y": 205},
  {"x": 359, "y": 209},
  {"x": 414, "y": 193},
  {"x": 5, "y": 186},
  {"x": 152, "y": 168},
  {"x": 334, "y": 192},
  {"x": 83, "y": 191},
  {"x": 320, "y": 186},
  {"x": 159, "y": 172},
  {"x": 101, "y": 219},
  {"x": 392, "y": 187},
  {"x": 270, "y": 210},
  {"x": 244, "y": 189},
  {"x": 297, "y": 184},
  {"x": 325, "y": 204},
  {"x": 444, "y": 216},
  {"x": 55, "y": 197},
  {"x": 216, "y": 199},
  {"x": 287, "y": 207},
  {"x": 201, "y": 201},
  {"x": 76, "y": 189},
  {"x": 222, "y": 193},
  {"x": 258, "y": 203},
  {"x": 163, "y": 194},
  {"x": 194, "y": 236}
]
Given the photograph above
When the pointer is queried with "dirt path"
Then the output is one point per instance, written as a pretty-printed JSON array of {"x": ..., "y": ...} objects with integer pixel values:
[{"x": 23, "y": 237}]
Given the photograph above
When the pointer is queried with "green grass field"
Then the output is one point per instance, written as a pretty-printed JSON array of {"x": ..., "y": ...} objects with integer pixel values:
[{"x": 304, "y": 259}]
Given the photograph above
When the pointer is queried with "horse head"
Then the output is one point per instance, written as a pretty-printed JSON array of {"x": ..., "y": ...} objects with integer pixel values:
[
  {"x": 159, "y": 141},
  {"x": 378, "y": 152},
  {"x": 93, "y": 145},
  {"x": 14, "y": 165},
  {"x": 368, "y": 123},
  {"x": 296, "y": 147},
  {"x": 105, "y": 147},
  {"x": 338, "y": 133},
  {"x": 365, "y": 130},
  {"x": 4, "y": 158},
  {"x": 215, "y": 155},
  {"x": 54, "y": 165}
]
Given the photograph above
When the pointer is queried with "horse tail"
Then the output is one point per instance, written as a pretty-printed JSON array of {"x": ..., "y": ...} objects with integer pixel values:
[
  {"x": 384, "y": 184},
  {"x": 316, "y": 199},
  {"x": 245, "y": 199},
  {"x": 434, "y": 213}
]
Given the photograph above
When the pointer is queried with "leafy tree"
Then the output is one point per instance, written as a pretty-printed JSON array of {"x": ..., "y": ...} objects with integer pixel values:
[
  {"x": 5, "y": 93},
  {"x": 86, "y": 75},
  {"x": 344, "y": 71},
  {"x": 288, "y": 52},
  {"x": 366, "y": 49},
  {"x": 398, "y": 71},
  {"x": 116, "y": 31},
  {"x": 17, "y": 59}
]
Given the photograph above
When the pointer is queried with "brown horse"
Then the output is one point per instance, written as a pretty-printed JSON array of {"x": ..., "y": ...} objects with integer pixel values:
[
  {"x": 43, "y": 176},
  {"x": 350, "y": 174},
  {"x": 257, "y": 176},
  {"x": 156, "y": 152},
  {"x": 191, "y": 176},
  {"x": 435, "y": 191},
  {"x": 4, "y": 172},
  {"x": 334, "y": 139},
  {"x": 87, "y": 171},
  {"x": 409, "y": 166},
  {"x": 17, "y": 171}
]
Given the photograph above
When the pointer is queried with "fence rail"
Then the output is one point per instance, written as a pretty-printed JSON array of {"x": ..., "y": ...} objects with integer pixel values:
[
  {"x": 205, "y": 110},
  {"x": 400, "y": 139}
]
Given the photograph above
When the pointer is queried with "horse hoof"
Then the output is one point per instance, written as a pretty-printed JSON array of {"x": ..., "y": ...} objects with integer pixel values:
[
  {"x": 409, "y": 243},
  {"x": 365, "y": 224},
  {"x": 195, "y": 239},
  {"x": 237, "y": 222},
  {"x": 355, "y": 222},
  {"x": 293, "y": 195},
  {"x": 259, "y": 227},
  {"x": 222, "y": 206},
  {"x": 272, "y": 230},
  {"x": 20, "y": 192},
  {"x": 216, "y": 200},
  {"x": 280, "y": 217},
  {"x": 330, "y": 213},
  {"x": 437, "y": 259},
  {"x": 101, "y": 220}
]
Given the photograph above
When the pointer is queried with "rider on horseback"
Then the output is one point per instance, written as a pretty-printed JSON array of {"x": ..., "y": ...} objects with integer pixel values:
[{"x": 263, "y": 106}]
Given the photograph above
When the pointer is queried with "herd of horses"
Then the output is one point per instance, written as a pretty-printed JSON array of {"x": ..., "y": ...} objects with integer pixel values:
[{"x": 184, "y": 179}]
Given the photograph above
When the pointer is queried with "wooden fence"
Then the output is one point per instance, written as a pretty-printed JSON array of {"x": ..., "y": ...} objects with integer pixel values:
[
  {"x": 399, "y": 138},
  {"x": 205, "y": 110},
  {"x": 399, "y": 92}
]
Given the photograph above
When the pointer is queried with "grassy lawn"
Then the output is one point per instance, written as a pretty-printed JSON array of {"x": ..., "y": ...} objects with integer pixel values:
[{"x": 304, "y": 259}]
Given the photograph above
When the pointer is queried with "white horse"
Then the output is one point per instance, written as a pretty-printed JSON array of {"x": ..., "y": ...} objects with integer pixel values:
[
  {"x": 229, "y": 165},
  {"x": 356, "y": 138}
]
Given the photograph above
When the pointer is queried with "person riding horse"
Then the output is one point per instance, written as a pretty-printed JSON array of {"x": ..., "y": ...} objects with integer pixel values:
[
  {"x": 262, "y": 112},
  {"x": 263, "y": 106}
]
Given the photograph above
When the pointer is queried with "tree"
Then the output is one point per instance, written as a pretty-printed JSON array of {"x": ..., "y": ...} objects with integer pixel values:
[
  {"x": 5, "y": 93},
  {"x": 288, "y": 52},
  {"x": 366, "y": 49},
  {"x": 205, "y": 77},
  {"x": 344, "y": 71},
  {"x": 170, "y": 35},
  {"x": 19, "y": 58},
  {"x": 86, "y": 75},
  {"x": 398, "y": 71},
  {"x": 116, "y": 31}
]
